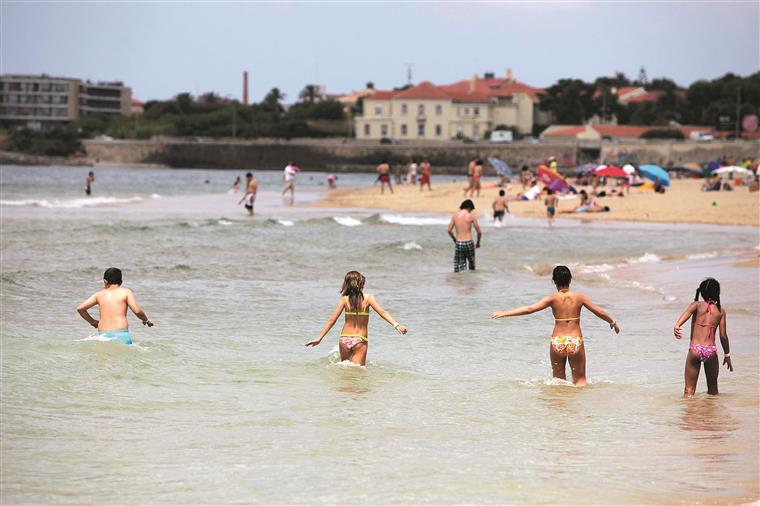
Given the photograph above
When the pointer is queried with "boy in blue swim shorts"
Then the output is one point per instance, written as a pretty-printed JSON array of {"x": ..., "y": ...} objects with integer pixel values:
[{"x": 113, "y": 302}]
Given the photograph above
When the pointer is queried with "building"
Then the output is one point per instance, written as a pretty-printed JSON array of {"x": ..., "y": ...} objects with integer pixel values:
[
  {"x": 464, "y": 109},
  {"x": 593, "y": 132},
  {"x": 40, "y": 101}
]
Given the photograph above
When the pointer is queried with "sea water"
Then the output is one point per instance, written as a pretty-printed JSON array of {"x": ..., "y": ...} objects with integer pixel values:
[{"x": 220, "y": 402}]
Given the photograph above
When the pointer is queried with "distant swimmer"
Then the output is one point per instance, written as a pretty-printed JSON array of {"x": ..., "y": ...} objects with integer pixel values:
[
  {"x": 707, "y": 317},
  {"x": 332, "y": 181},
  {"x": 88, "y": 183},
  {"x": 551, "y": 203},
  {"x": 236, "y": 185},
  {"x": 464, "y": 250},
  {"x": 500, "y": 207},
  {"x": 113, "y": 302},
  {"x": 567, "y": 339},
  {"x": 289, "y": 176},
  {"x": 249, "y": 197},
  {"x": 384, "y": 175},
  {"x": 355, "y": 304}
]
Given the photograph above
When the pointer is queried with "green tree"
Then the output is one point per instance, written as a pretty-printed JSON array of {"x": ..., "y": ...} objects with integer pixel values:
[
  {"x": 272, "y": 101},
  {"x": 309, "y": 94},
  {"x": 570, "y": 101}
]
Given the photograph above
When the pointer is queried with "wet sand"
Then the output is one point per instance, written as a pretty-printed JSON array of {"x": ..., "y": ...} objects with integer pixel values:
[{"x": 682, "y": 203}]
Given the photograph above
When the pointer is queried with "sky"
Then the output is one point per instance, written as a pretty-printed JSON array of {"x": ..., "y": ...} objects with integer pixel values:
[{"x": 160, "y": 49}]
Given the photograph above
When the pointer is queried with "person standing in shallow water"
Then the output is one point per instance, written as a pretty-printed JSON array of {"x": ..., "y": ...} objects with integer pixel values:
[
  {"x": 464, "y": 250},
  {"x": 249, "y": 197},
  {"x": 566, "y": 344},
  {"x": 88, "y": 183},
  {"x": 113, "y": 302},
  {"x": 354, "y": 339},
  {"x": 706, "y": 317}
]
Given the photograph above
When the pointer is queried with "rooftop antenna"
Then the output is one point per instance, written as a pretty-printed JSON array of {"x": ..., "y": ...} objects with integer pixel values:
[{"x": 409, "y": 67}]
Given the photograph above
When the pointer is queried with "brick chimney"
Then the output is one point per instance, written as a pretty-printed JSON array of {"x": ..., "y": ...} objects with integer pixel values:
[
  {"x": 245, "y": 87},
  {"x": 473, "y": 81},
  {"x": 509, "y": 76}
]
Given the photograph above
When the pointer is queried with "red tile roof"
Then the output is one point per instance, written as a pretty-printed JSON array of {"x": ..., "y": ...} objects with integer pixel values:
[
  {"x": 381, "y": 95},
  {"x": 565, "y": 132},
  {"x": 467, "y": 90},
  {"x": 424, "y": 90}
]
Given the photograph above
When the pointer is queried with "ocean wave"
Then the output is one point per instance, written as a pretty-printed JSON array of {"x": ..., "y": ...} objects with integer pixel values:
[
  {"x": 408, "y": 246},
  {"x": 72, "y": 203},
  {"x": 286, "y": 223},
  {"x": 699, "y": 256},
  {"x": 645, "y": 259},
  {"x": 401, "y": 219},
  {"x": 224, "y": 222},
  {"x": 347, "y": 221}
]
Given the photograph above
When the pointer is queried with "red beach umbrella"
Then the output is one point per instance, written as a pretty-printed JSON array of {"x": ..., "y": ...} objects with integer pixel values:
[{"x": 611, "y": 171}]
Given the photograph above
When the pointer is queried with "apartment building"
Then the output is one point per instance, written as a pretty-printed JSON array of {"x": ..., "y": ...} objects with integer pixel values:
[
  {"x": 466, "y": 108},
  {"x": 41, "y": 101}
]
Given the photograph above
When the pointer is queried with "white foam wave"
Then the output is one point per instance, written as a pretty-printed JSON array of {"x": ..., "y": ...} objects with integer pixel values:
[
  {"x": 400, "y": 219},
  {"x": 94, "y": 337},
  {"x": 646, "y": 258},
  {"x": 286, "y": 223},
  {"x": 697, "y": 256},
  {"x": 590, "y": 269},
  {"x": 71, "y": 203},
  {"x": 226, "y": 223},
  {"x": 347, "y": 221},
  {"x": 155, "y": 196},
  {"x": 408, "y": 246}
]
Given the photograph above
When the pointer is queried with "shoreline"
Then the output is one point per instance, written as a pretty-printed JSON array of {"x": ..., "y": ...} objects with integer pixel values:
[{"x": 683, "y": 203}]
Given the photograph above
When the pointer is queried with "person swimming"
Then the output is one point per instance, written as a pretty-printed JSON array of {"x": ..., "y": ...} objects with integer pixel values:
[
  {"x": 113, "y": 302},
  {"x": 354, "y": 340},
  {"x": 706, "y": 317},
  {"x": 566, "y": 343}
]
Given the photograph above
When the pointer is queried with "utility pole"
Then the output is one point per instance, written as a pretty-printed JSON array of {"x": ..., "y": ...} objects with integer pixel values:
[
  {"x": 234, "y": 120},
  {"x": 738, "y": 109}
]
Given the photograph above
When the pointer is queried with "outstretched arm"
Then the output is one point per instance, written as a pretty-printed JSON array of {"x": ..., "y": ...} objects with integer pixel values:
[
  {"x": 684, "y": 316},
  {"x": 600, "y": 313},
  {"x": 84, "y": 306},
  {"x": 329, "y": 325},
  {"x": 385, "y": 315},
  {"x": 724, "y": 343},
  {"x": 136, "y": 309},
  {"x": 538, "y": 306}
]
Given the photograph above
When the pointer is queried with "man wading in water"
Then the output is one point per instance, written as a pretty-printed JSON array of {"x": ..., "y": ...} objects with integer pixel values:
[{"x": 464, "y": 250}]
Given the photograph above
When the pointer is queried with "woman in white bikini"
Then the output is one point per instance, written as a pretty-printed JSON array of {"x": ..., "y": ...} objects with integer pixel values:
[
  {"x": 353, "y": 338},
  {"x": 567, "y": 338}
]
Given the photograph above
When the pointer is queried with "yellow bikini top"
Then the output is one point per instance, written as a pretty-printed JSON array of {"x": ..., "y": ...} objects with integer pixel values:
[
  {"x": 357, "y": 313},
  {"x": 567, "y": 319}
]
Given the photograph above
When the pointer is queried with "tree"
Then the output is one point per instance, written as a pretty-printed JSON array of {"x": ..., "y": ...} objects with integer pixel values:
[
  {"x": 643, "y": 80},
  {"x": 570, "y": 101},
  {"x": 370, "y": 85},
  {"x": 272, "y": 100},
  {"x": 184, "y": 102},
  {"x": 309, "y": 94}
]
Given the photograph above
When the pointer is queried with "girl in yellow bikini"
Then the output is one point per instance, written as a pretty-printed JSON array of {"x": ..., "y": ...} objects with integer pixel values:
[
  {"x": 353, "y": 338},
  {"x": 567, "y": 338}
]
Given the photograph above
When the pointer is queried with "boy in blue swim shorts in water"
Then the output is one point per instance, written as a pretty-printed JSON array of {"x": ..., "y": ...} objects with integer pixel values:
[{"x": 113, "y": 302}]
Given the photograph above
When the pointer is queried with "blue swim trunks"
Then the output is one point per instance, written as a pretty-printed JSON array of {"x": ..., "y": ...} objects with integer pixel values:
[{"x": 121, "y": 335}]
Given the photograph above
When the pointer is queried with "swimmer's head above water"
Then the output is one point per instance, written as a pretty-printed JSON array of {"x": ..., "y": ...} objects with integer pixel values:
[
  {"x": 561, "y": 276},
  {"x": 112, "y": 276}
]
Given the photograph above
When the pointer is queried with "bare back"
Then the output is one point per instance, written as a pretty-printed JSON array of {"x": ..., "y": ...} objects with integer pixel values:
[
  {"x": 463, "y": 221},
  {"x": 356, "y": 323},
  {"x": 705, "y": 322}
]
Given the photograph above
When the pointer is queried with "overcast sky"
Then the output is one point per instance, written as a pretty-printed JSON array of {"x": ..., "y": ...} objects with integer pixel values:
[{"x": 163, "y": 48}]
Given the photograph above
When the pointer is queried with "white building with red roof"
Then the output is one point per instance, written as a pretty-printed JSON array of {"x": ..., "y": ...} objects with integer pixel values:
[{"x": 466, "y": 108}]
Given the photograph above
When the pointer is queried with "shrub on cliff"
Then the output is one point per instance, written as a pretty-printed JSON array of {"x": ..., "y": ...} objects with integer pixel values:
[
  {"x": 54, "y": 142},
  {"x": 662, "y": 133}
]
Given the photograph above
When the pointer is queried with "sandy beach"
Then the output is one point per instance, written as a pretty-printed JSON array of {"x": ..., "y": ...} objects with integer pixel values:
[{"x": 682, "y": 203}]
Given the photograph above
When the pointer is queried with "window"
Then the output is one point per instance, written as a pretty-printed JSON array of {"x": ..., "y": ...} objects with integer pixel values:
[
  {"x": 403, "y": 108},
  {"x": 366, "y": 129},
  {"x": 466, "y": 111},
  {"x": 14, "y": 86},
  {"x": 378, "y": 110},
  {"x": 438, "y": 130},
  {"x": 384, "y": 130},
  {"x": 438, "y": 109},
  {"x": 476, "y": 111},
  {"x": 475, "y": 130},
  {"x": 60, "y": 112},
  {"x": 403, "y": 129},
  {"x": 46, "y": 87},
  {"x": 421, "y": 130},
  {"x": 60, "y": 87},
  {"x": 421, "y": 110},
  {"x": 460, "y": 130}
]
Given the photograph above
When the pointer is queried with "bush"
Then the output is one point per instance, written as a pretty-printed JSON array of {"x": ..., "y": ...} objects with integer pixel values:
[
  {"x": 54, "y": 142},
  {"x": 662, "y": 133}
]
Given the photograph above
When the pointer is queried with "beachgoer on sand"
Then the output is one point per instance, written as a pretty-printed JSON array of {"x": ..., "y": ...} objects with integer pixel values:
[
  {"x": 355, "y": 305},
  {"x": 566, "y": 344},
  {"x": 707, "y": 319},
  {"x": 113, "y": 302}
]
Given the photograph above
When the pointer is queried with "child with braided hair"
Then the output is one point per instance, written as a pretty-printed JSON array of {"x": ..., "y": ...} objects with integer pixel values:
[{"x": 706, "y": 317}]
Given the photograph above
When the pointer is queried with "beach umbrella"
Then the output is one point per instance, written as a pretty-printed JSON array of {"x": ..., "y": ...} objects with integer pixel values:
[
  {"x": 586, "y": 168},
  {"x": 552, "y": 180},
  {"x": 713, "y": 165},
  {"x": 733, "y": 169},
  {"x": 655, "y": 173},
  {"x": 610, "y": 171},
  {"x": 501, "y": 167},
  {"x": 629, "y": 169}
]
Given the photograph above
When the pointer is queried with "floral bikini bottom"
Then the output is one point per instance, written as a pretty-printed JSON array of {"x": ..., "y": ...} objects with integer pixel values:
[{"x": 567, "y": 345}]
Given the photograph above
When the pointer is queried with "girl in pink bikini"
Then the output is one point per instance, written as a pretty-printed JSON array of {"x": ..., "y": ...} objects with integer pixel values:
[
  {"x": 353, "y": 338},
  {"x": 706, "y": 317}
]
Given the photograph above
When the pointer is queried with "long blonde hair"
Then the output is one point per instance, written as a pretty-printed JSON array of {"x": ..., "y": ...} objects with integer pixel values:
[{"x": 353, "y": 284}]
